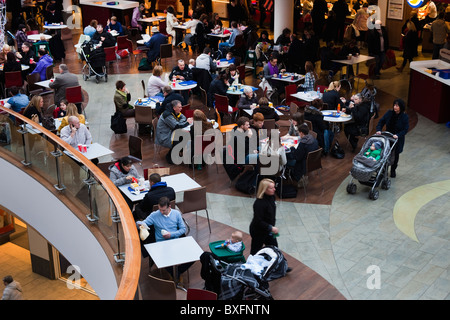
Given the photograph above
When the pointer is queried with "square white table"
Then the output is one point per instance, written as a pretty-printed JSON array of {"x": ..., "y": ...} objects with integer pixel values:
[
  {"x": 250, "y": 112},
  {"x": 289, "y": 78},
  {"x": 94, "y": 150},
  {"x": 179, "y": 182},
  {"x": 354, "y": 60},
  {"x": 307, "y": 96},
  {"x": 44, "y": 83},
  {"x": 174, "y": 252}
]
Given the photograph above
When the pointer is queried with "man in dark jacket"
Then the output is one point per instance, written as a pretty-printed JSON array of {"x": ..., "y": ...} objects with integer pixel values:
[
  {"x": 158, "y": 189},
  {"x": 181, "y": 72},
  {"x": 169, "y": 96},
  {"x": 297, "y": 156},
  {"x": 360, "y": 111},
  {"x": 154, "y": 44},
  {"x": 104, "y": 38},
  {"x": 378, "y": 44}
]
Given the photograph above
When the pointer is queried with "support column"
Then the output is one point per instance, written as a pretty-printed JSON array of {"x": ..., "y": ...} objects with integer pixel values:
[{"x": 283, "y": 16}]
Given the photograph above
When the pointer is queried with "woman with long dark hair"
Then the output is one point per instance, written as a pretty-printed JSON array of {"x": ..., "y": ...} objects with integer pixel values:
[{"x": 397, "y": 123}]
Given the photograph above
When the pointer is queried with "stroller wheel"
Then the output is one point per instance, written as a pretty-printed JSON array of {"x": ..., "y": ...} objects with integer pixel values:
[
  {"x": 106, "y": 78},
  {"x": 386, "y": 184},
  {"x": 85, "y": 77},
  {"x": 351, "y": 188},
  {"x": 373, "y": 195}
]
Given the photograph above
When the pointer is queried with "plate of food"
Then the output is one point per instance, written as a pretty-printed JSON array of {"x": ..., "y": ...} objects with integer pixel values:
[{"x": 344, "y": 115}]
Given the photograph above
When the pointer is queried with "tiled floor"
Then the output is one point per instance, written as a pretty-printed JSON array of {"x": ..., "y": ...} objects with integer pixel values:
[{"x": 345, "y": 241}]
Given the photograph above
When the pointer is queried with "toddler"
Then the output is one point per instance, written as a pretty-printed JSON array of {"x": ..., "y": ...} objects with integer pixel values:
[
  {"x": 234, "y": 244},
  {"x": 374, "y": 151}
]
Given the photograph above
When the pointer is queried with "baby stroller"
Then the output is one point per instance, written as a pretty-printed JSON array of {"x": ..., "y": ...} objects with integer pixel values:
[
  {"x": 373, "y": 173},
  {"x": 243, "y": 281},
  {"x": 95, "y": 61}
]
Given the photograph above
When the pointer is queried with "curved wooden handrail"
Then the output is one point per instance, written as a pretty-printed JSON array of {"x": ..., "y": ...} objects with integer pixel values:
[{"x": 132, "y": 266}]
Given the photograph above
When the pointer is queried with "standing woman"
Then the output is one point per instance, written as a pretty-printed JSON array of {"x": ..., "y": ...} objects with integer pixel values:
[
  {"x": 171, "y": 19},
  {"x": 397, "y": 123},
  {"x": 262, "y": 227},
  {"x": 410, "y": 43}
]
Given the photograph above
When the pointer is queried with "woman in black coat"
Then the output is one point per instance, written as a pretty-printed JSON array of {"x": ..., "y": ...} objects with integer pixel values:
[
  {"x": 332, "y": 97},
  {"x": 220, "y": 86},
  {"x": 360, "y": 111},
  {"x": 267, "y": 112},
  {"x": 397, "y": 123},
  {"x": 410, "y": 43},
  {"x": 262, "y": 227}
]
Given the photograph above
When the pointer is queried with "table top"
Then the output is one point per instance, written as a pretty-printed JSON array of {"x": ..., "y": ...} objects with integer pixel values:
[
  {"x": 121, "y": 5},
  {"x": 24, "y": 67},
  {"x": 307, "y": 96},
  {"x": 147, "y": 102},
  {"x": 219, "y": 35},
  {"x": 179, "y": 182},
  {"x": 174, "y": 252},
  {"x": 179, "y": 87},
  {"x": 239, "y": 91},
  {"x": 343, "y": 117},
  {"x": 55, "y": 26},
  {"x": 287, "y": 77},
  {"x": 288, "y": 141},
  {"x": 250, "y": 111},
  {"x": 44, "y": 83},
  {"x": 94, "y": 150},
  {"x": 152, "y": 19},
  {"x": 355, "y": 60},
  {"x": 37, "y": 37}
]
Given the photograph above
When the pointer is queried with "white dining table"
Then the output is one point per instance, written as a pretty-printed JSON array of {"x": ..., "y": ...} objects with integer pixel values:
[
  {"x": 179, "y": 87},
  {"x": 288, "y": 78},
  {"x": 250, "y": 112},
  {"x": 151, "y": 19},
  {"x": 37, "y": 37},
  {"x": 307, "y": 96},
  {"x": 239, "y": 90},
  {"x": 23, "y": 66},
  {"x": 55, "y": 26},
  {"x": 44, "y": 83},
  {"x": 354, "y": 60},
  {"x": 94, "y": 151}
]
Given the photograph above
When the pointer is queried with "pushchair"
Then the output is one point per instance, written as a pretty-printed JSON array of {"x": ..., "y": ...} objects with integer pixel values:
[
  {"x": 243, "y": 281},
  {"x": 95, "y": 60},
  {"x": 373, "y": 173}
]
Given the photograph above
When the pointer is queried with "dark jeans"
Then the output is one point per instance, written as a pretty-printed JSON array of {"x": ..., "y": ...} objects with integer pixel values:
[
  {"x": 258, "y": 242},
  {"x": 436, "y": 49},
  {"x": 379, "y": 60}
]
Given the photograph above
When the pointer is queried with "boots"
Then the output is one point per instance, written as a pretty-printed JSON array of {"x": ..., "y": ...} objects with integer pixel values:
[{"x": 400, "y": 69}]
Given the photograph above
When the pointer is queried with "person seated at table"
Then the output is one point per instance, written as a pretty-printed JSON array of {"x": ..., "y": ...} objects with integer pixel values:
[
  {"x": 190, "y": 38},
  {"x": 123, "y": 171},
  {"x": 155, "y": 83},
  {"x": 11, "y": 63},
  {"x": 205, "y": 61},
  {"x": 218, "y": 86},
  {"x": 270, "y": 70},
  {"x": 360, "y": 111},
  {"x": 313, "y": 113},
  {"x": 6, "y": 48},
  {"x": 154, "y": 45},
  {"x": 34, "y": 109},
  {"x": 181, "y": 72},
  {"x": 257, "y": 123},
  {"x": 102, "y": 38},
  {"x": 234, "y": 243},
  {"x": 310, "y": 78},
  {"x": 63, "y": 80},
  {"x": 198, "y": 117},
  {"x": 226, "y": 46},
  {"x": 26, "y": 57},
  {"x": 61, "y": 110},
  {"x": 215, "y": 26},
  {"x": 168, "y": 225},
  {"x": 138, "y": 13},
  {"x": 240, "y": 142},
  {"x": 72, "y": 110},
  {"x": 284, "y": 39},
  {"x": 169, "y": 96},
  {"x": 114, "y": 25},
  {"x": 21, "y": 36},
  {"x": 297, "y": 119},
  {"x": 158, "y": 189},
  {"x": 76, "y": 133},
  {"x": 267, "y": 112},
  {"x": 262, "y": 46},
  {"x": 170, "y": 120},
  {"x": 191, "y": 64},
  {"x": 349, "y": 48},
  {"x": 248, "y": 99},
  {"x": 90, "y": 29},
  {"x": 171, "y": 21},
  {"x": 17, "y": 102},
  {"x": 229, "y": 58},
  {"x": 122, "y": 97},
  {"x": 332, "y": 96},
  {"x": 233, "y": 75},
  {"x": 297, "y": 157},
  {"x": 41, "y": 66}
]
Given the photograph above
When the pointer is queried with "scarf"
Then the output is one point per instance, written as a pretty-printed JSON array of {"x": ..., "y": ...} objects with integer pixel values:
[
  {"x": 122, "y": 93},
  {"x": 273, "y": 69},
  {"x": 118, "y": 166}
]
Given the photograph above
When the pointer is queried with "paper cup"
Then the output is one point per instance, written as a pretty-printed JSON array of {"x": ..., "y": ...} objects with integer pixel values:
[
  {"x": 84, "y": 148},
  {"x": 80, "y": 148}
]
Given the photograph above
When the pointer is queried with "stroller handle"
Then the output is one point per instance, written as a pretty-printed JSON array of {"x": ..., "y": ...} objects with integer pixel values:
[{"x": 387, "y": 134}]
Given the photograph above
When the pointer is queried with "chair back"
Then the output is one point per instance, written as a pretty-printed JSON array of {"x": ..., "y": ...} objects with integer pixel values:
[
  {"x": 49, "y": 72},
  {"x": 288, "y": 90},
  {"x": 162, "y": 27},
  {"x": 293, "y": 108},
  {"x": 269, "y": 124},
  {"x": 143, "y": 89},
  {"x": 371, "y": 124},
  {"x": 200, "y": 294},
  {"x": 314, "y": 160},
  {"x": 74, "y": 94},
  {"x": 221, "y": 103},
  {"x": 309, "y": 123},
  {"x": 165, "y": 51},
  {"x": 162, "y": 171},
  {"x": 241, "y": 71},
  {"x": 187, "y": 112},
  {"x": 313, "y": 133},
  {"x": 159, "y": 289},
  {"x": 201, "y": 142},
  {"x": 124, "y": 43},
  {"x": 143, "y": 115},
  {"x": 32, "y": 32},
  {"x": 203, "y": 96},
  {"x": 110, "y": 53},
  {"x": 104, "y": 167},
  {"x": 135, "y": 148},
  {"x": 239, "y": 42},
  {"x": 31, "y": 80},
  {"x": 66, "y": 34},
  {"x": 48, "y": 97},
  {"x": 194, "y": 200},
  {"x": 13, "y": 79}
]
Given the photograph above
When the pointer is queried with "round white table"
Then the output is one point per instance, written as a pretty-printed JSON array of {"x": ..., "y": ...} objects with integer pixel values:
[
  {"x": 24, "y": 67},
  {"x": 37, "y": 37},
  {"x": 239, "y": 91},
  {"x": 179, "y": 87},
  {"x": 343, "y": 117},
  {"x": 55, "y": 26}
]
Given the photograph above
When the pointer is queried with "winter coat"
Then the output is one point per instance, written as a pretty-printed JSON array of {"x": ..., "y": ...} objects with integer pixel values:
[
  {"x": 118, "y": 177},
  {"x": 167, "y": 123}
]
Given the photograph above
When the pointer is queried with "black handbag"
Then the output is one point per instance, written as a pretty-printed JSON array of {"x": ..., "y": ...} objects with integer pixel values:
[
  {"x": 337, "y": 151},
  {"x": 285, "y": 190},
  {"x": 48, "y": 123},
  {"x": 247, "y": 182},
  {"x": 118, "y": 123}
]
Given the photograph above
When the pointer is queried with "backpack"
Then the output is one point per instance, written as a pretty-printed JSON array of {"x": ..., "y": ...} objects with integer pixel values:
[
  {"x": 48, "y": 123},
  {"x": 144, "y": 65},
  {"x": 247, "y": 182},
  {"x": 289, "y": 191},
  {"x": 337, "y": 151},
  {"x": 118, "y": 123}
]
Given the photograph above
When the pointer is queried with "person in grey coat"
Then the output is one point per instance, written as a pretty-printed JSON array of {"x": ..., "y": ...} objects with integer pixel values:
[
  {"x": 122, "y": 172},
  {"x": 64, "y": 80},
  {"x": 170, "y": 120},
  {"x": 13, "y": 289}
]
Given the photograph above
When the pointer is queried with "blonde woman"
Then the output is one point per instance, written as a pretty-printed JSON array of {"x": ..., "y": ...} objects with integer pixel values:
[
  {"x": 156, "y": 82},
  {"x": 332, "y": 96},
  {"x": 34, "y": 108},
  {"x": 262, "y": 227},
  {"x": 71, "y": 111}
]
